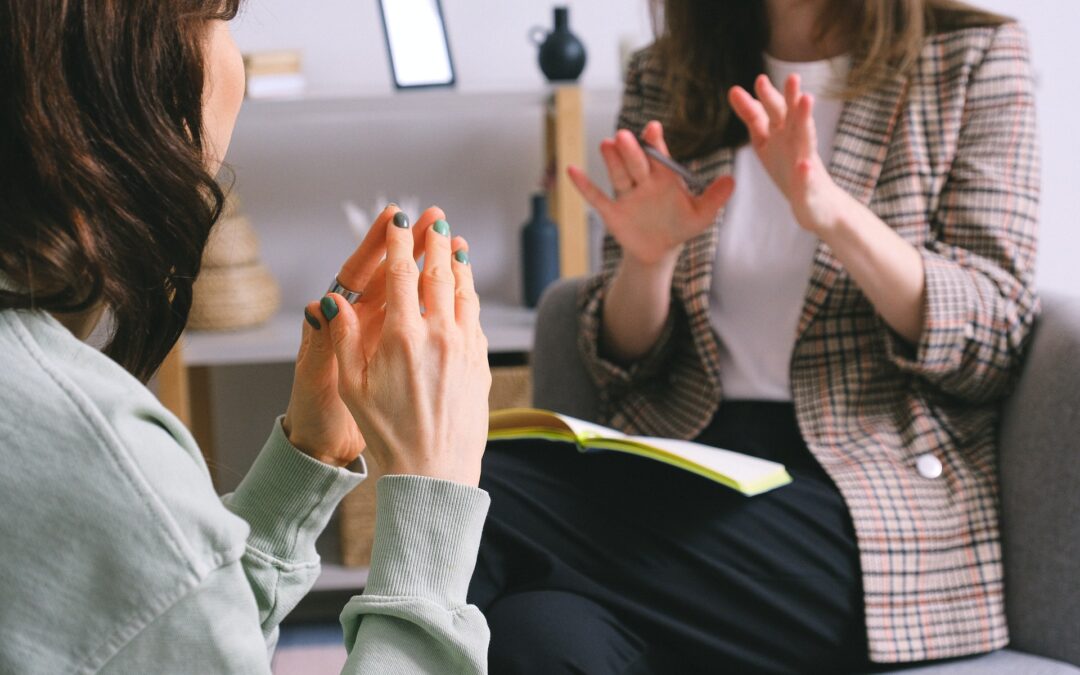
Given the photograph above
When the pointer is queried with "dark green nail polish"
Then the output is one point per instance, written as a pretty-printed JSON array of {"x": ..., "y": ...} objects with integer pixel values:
[
  {"x": 401, "y": 220},
  {"x": 462, "y": 257},
  {"x": 312, "y": 320},
  {"x": 329, "y": 308},
  {"x": 442, "y": 227}
]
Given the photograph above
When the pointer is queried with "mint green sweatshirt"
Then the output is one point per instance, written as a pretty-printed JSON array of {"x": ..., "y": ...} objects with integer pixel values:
[{"x": 116, "y": 555}]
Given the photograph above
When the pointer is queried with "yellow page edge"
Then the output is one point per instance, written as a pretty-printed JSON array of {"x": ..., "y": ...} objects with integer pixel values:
[{"x": 750, "y": 489}]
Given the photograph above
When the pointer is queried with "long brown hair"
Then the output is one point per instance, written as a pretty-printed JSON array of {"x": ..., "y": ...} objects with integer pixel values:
[
  {"x": 705, "y": 47},
  {"x": 104, "y": 194}
]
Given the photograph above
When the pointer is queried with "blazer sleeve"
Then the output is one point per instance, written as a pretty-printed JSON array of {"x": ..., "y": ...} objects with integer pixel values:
[
  {"x": 980, "y": 303},
  {"x": 609, "y": 375}
]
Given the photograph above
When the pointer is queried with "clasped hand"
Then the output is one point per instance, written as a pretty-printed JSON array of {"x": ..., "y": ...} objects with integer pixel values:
[{"x": 404, "y": 370}]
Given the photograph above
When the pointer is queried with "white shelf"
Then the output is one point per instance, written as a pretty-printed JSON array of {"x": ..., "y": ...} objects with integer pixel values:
[
  {"x": 341, "y": 578},
  {"x": 508, "y": 329},
  {"x": 422, "y": 103}
]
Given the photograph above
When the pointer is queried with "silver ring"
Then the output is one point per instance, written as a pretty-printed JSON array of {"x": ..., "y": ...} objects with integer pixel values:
[{"x": 350, "y": 296}]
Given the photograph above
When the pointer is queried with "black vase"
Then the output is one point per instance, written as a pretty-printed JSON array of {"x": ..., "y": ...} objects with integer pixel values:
[
  {"x": 539, "y": 251},
  {"x": 562, "y": 55}
]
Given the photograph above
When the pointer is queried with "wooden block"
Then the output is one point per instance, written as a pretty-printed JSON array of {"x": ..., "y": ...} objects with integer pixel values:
[
  {"x": 565, "y": 146},
  {"x": 173, "y": 386},
  {"x": 357, "y": 519}
]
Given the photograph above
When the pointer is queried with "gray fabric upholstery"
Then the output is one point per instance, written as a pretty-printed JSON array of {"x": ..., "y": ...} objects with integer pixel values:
[
  {"x": 560, "y": 382},
  {"x": 1004, "y": 662},
  {"x": 1040, "y": 480},
  {"x": 1040, "y": 475}
]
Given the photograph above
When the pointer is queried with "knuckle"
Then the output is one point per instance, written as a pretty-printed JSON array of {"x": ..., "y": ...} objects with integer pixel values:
[
  {"x": 466, "y": 296},
  {"x": 444, "y": 341},
  {"x": 397, "y": 332},
  {"x": 402, "y": 269},
  {"x": 438, "y": 274}
]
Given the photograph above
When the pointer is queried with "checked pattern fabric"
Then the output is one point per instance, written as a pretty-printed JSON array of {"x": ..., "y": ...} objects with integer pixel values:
[{"x": 947, "y": 156}]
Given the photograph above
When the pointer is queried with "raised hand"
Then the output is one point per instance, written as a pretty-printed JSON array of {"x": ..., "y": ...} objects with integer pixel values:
[
  {"x": 417, "y": 380},
  {"x": 784, "y": 137},
  {"x": 653, "y": 213},
  {"x": 316, "y": 420}
]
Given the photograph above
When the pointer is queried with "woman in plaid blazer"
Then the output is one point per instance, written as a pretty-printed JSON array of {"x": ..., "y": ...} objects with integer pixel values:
[{"x": 917, "y": 310}]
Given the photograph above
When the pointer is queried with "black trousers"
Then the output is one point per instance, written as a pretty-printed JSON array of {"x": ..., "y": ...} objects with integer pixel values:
[{"x": 608, "y": 563}]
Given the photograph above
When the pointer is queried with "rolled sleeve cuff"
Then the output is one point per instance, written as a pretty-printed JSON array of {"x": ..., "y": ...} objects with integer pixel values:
[
  {"x": 948, "y": 321},
  {"x": 288, "y": 497},
  {"x": 607, "y": 373},
  {"x": 427, "y": 537}
]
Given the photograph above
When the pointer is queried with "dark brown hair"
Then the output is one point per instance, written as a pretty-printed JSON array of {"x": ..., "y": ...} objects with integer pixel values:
[
  {"x": 104, "y": 192},
  {"x": 705, "y": 47}
]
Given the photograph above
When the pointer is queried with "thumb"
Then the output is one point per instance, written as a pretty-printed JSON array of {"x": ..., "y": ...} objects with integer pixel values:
[
  {"x": 344, "y": 329},
  {"x": 316, "y": 346},
  {"x": 714, "y": 198}
]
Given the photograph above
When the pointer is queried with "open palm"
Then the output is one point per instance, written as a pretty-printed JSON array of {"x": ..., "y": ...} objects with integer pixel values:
[
  {"x": 784, "y": 137},
  {"x": 653, "y": 213}
]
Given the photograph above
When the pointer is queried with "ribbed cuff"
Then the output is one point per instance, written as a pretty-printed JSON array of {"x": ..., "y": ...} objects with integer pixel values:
[
  {"x": 288, "y": 497},
  {"x": 427, "y": 536}
]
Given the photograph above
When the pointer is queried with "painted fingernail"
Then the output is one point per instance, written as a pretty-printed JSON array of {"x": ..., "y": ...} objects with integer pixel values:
[
  {"x": 312, "y": 320},
  {"x": 401, "y": 220},
  {"x": 442, "y": 227},
  {"x": 329, "y": 308},
  {"x": 462, "y": 257}
]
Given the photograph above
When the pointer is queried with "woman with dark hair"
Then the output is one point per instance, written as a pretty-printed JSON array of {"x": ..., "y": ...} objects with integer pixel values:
[
  {"x": 857, "y": 311},
  {"x": 116, "y": 555}
]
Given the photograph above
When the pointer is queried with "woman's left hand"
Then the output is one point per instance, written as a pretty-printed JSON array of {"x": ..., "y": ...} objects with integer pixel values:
[
  {"x": 784, "y": 136},
  {"x": 317, "y": 422}
]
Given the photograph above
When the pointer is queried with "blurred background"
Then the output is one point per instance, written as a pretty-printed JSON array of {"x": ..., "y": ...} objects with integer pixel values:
[{"x": 478, "y": 150}]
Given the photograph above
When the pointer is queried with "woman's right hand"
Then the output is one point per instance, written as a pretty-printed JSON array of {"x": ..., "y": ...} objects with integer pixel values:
[
  {"x": 653, "y": 213},
  {"x": 417, "y": 380}
]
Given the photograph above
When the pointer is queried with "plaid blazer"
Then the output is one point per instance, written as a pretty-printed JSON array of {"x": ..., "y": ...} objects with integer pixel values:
[{"x": 947, "y": 157}]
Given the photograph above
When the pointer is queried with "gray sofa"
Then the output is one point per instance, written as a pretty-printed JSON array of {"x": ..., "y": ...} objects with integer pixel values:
[{"x": 1040, "y": 476}]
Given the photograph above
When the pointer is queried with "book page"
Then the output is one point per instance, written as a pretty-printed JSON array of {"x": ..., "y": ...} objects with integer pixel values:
[
  {"x": 587, "y": 430},
  {"x": 522, "y": 422},
  {"x": 741, "y": 468}
]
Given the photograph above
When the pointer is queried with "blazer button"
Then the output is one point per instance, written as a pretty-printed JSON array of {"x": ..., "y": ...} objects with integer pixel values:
[{"x": 928, "y": 466}]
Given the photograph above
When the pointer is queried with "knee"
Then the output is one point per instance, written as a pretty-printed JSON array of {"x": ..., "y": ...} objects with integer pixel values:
[{"x": 552, "y": 632}]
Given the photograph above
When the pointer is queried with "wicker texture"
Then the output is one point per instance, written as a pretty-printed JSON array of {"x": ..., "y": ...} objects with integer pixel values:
[{"x": 235, "y": 290}]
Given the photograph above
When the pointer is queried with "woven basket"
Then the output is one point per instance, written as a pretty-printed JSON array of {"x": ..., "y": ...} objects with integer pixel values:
[
  {"x": 230, "y": 298},
  {"x": 511, "y": 387},
  {"x": 232, "y": 242}
]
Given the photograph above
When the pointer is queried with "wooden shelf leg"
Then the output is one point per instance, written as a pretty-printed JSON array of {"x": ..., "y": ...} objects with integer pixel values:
[{"x": 186, "y": 392}]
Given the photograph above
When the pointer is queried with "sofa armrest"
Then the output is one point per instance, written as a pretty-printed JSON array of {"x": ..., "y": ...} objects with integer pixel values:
[
  {"x": 1040, "y": 479},
  {"x": 560, "y": 380}
]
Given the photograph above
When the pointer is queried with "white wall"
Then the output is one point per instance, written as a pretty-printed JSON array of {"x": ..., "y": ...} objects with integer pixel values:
[
  {"x": 294, "y": 170},
  {"x": 1054, "y": 29},
  {"x": 344, "y": 47},
  {"x": 344, "y": 51}
]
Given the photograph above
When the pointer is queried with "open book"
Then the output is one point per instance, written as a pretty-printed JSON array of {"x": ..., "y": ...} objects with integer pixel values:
[{"x": 749, "y": 475}]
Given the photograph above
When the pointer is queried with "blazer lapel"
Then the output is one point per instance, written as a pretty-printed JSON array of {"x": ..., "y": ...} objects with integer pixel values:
[
  {"x": 693, "y": 275},
  {"x": 697, "y": 261},
  {"x": 862, "y": 142}
]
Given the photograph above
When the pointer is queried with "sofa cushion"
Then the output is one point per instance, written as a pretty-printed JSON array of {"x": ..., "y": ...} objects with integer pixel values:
[{"x": 1004, "y": 662}]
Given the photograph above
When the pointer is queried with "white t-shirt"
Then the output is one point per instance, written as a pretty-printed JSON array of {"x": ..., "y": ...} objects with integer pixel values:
[{"x": 764, "y": 258}]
